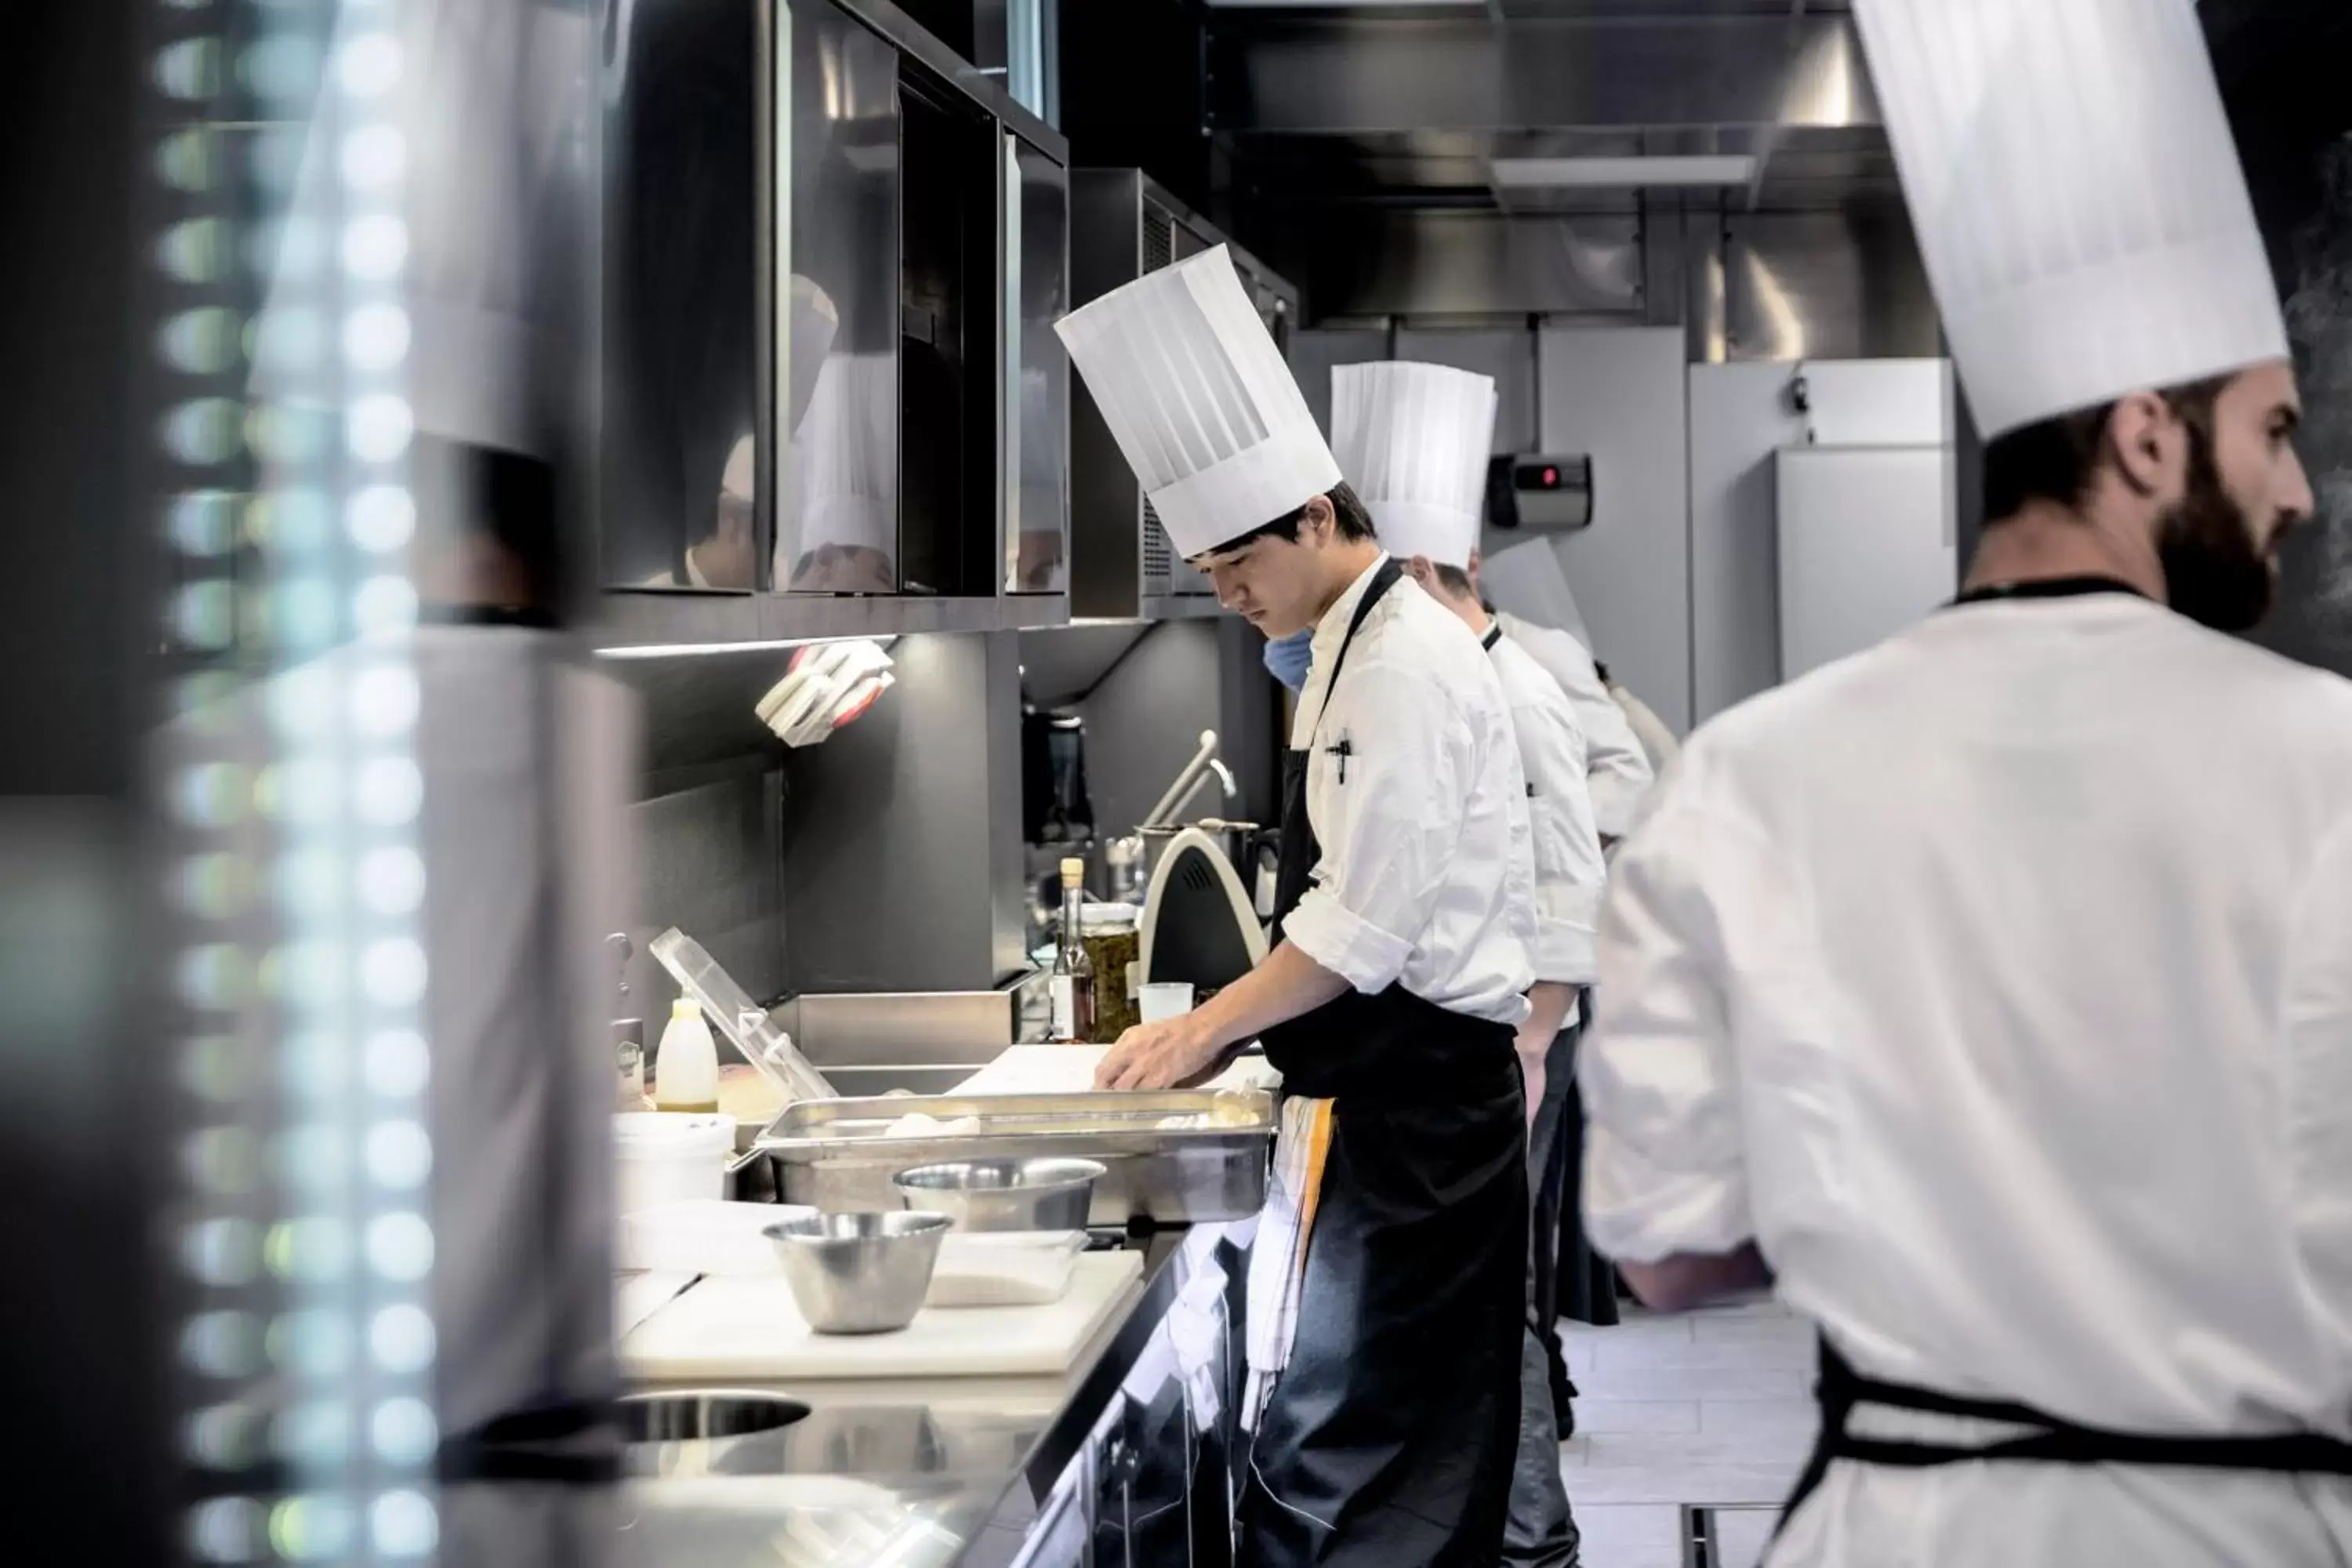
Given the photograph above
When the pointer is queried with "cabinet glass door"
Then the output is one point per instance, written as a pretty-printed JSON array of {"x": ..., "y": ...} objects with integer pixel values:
[
  {"x": 1037, "y": 381},
  {"x": 835, "y": 284},
  {"x": 677, "y": 437}
]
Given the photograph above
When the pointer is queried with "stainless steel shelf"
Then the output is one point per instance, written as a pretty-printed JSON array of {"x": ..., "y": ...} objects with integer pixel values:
[{"x": 642, "y": 620}]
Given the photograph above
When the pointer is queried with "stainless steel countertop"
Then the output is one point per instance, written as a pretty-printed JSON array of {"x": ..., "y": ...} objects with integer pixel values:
[{"x": 912, "y": 1473}]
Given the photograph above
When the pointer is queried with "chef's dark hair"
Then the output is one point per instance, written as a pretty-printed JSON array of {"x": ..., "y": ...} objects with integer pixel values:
[
  {"x": 1349, "y": 519},
  {"x": 2056, "y": 459}
]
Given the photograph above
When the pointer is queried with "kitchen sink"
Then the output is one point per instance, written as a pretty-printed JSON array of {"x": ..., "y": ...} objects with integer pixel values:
[{"x": 702, "y": 1416}]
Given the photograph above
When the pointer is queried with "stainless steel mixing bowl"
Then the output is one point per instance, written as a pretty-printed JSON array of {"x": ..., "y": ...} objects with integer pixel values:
[
  {"x": 1005, "y": 1195},
  {"x": 859, "y": 1273}
]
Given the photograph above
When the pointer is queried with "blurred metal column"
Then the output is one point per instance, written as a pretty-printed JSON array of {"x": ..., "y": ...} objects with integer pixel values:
[{"x": 82, "y": 1349}]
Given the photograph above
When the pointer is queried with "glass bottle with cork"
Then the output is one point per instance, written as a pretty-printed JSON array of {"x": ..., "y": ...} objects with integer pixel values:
[{"x": 1074, "y": 968}]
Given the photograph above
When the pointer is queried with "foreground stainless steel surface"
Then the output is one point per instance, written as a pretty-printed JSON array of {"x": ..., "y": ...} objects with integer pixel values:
[
  {"x": 859, "y": 1273},
  {"x": 1178, "y": 1157},
  {"x": 929, "y": 1473},
  {"x": 1005, "y": 1195}
]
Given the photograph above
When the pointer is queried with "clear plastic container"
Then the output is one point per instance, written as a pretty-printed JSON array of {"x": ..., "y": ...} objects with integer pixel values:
[
  {"x": 704, "y": 1235},
  {"x": 726, "y": 1004},
  {"x": 1004, "y": 1268}
]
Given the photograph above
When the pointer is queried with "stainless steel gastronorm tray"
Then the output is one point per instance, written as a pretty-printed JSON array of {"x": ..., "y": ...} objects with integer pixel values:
[{"x": 837, "y": 1155}]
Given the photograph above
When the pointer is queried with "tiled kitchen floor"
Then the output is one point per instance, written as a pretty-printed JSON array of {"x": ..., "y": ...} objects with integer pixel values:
[{"x": 1713, "y": 1408}]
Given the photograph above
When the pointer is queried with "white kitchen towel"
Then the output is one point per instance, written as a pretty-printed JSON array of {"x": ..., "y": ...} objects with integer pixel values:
[{"x": 1277, "y": 1276}]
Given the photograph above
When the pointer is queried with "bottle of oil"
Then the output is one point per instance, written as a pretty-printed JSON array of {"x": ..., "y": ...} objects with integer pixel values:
[
  {"x": 685, "y": 1072},
  {"x": 1074, "y": 970}
]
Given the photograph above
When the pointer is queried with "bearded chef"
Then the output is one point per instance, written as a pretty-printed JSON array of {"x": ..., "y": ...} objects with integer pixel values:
[
  {"x": 1416, "y": 440},
  {"x": 2009, "y": 1034},
  {"x": 1387, "y": 1278}
]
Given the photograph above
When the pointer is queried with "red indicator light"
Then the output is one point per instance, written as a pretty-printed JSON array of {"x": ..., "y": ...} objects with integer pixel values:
[{"x": 1550, "y": 477}]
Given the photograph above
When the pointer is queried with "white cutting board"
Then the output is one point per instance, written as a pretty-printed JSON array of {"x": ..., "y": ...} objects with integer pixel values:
[
  {"x": 745, "y": 1326},
  {"x": 1070, "y": 1069}
]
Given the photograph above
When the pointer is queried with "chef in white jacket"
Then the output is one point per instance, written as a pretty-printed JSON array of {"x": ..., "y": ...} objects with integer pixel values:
[
  {"x": 1991, "y": 990},
  {"x": 1386, "y": 1286},
  {"x": 1618, "y": 771},
  {"x": 1416, "y": 441},
  {"x": 513, "y": 750}
]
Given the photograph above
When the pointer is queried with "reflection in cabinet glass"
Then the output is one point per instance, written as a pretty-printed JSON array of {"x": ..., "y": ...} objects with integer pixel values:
[
  {"x": 678, "y": 492},
  {"x": 835, "y": 268}
]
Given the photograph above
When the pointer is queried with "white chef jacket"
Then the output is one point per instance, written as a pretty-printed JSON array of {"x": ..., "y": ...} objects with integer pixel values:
[
  {"x": 1998, "y": 982},
  {"x": 1618, "y": 771},
  {"x": 1568, "y": 870},
  {"x": 1658, "y": 743},
  {"x": 1425, "y": 878}
]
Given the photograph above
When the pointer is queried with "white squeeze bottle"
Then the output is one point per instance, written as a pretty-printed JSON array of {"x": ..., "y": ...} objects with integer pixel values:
[{"x": 685, "y": 1073}]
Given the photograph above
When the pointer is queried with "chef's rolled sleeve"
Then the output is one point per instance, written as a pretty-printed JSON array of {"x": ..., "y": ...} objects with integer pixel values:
[
  {"x": 1388, "y": 834},
  {"x": 1349, "y": 946},
  {"x": 1561, "y": 949},
  {"x": 1665, "y": 1167}
]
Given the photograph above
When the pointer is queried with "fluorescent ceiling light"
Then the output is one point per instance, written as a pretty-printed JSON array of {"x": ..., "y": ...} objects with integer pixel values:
[{"x": 1624, "y": 174}]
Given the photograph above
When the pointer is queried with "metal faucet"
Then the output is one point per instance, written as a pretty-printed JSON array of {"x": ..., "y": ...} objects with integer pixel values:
[{"x": 1189, "y": 781}]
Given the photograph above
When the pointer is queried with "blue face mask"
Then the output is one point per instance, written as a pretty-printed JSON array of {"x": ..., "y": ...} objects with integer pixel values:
[{"x": 1290, "y": 657}]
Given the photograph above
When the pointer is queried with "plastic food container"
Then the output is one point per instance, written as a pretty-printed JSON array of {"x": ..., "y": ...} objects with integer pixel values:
[
  {"x": 704, "y": 1237},
  {"x": 667, "y": 1157},
  {"x": 1004, "y": 1268}
]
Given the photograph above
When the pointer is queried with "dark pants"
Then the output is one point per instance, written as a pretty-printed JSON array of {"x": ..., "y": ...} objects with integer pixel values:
[
  {"x": 1541, "y": 1531},
  {"x": 1585, "y": 1284}
]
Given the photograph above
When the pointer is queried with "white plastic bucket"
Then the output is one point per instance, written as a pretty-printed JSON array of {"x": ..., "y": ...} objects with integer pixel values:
[{"x": 668, "y": 1157}]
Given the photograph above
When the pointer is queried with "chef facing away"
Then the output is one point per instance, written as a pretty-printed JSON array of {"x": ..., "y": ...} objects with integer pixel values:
[
  {"x": 1415, "y": 439},
  {"x": 1385, "y": 1357},
  {"x": 1991, "y": 990}
]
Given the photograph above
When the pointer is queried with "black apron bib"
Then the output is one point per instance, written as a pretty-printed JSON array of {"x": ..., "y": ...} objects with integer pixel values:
[
  {"x": 2049, "y": 1440},
  {"x": 1390, "y": 1436}
]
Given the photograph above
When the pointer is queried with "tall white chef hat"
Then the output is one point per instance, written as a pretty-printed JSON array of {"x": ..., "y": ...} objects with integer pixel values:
[
  {"x": 1413, "y": 440},
  {"x": 1198, "y": 398},
  {"x": 846, "y": 457},
  {"x": 2077, "y": 197}
]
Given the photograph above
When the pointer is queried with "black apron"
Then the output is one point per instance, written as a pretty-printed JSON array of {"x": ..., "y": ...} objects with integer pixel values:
[
  {"x": 2049, "y": 1439},
  {"x": 1391, "y": 1435}
]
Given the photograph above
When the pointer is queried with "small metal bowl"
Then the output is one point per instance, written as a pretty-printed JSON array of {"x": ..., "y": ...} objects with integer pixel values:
[
  {"x": 859, "y": 1273},
  {"x": 1005, "y": 1195}
]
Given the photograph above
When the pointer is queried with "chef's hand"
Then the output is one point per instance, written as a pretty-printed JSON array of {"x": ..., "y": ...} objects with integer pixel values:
[{"x": 1166, "y": 1055}]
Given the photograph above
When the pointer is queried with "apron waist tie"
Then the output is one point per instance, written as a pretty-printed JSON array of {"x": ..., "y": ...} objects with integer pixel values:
[{"x": 2053, "y": 1440}]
